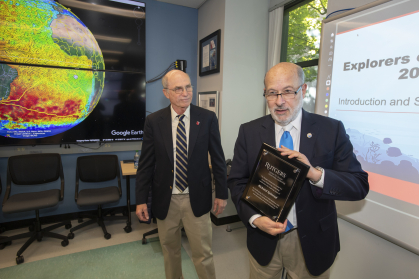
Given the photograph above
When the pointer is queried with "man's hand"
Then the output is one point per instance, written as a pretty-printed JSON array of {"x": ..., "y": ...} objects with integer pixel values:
[
  {"x": 267, "y": 225},
  {"x": 313, "y": 173},
  {"x": 219, "y": 206},
  {"x": 142, "y": 212}
]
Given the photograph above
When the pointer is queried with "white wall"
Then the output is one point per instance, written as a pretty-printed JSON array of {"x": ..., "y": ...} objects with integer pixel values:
[
  {"x": 244, "y": 48},
  {"x": 364, "y": 255},
  {"x": 211, "y": 17},
  {"x": 245, "y": 60}
]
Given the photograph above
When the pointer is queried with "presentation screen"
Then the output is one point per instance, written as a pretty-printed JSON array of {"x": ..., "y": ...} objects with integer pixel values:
[{"x": 368, "y": 79}]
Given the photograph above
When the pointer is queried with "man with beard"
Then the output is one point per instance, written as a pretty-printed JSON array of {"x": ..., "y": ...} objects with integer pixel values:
[{"x": 307, "y": 243}]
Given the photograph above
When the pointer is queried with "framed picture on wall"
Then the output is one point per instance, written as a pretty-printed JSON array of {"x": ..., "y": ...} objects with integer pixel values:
[
  {"x": 209, "y": 54},
  {"x": 209, "y": 100}
]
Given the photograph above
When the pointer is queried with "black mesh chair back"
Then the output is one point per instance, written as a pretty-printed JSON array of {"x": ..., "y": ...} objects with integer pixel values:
[
  {"x": 35, "y": 168},
  {"x": 97, "y": 168},
  {"x": 2, "y": 230}
]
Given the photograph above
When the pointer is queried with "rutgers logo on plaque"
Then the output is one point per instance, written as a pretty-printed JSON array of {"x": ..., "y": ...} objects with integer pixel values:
[{"x": 274, "y": 183}]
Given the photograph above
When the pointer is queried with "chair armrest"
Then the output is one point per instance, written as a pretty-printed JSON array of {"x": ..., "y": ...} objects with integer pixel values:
[
  {"x": 77, "y": 184},
  {"x": 119, "y": 178},
  {"x": 8, "y": 186},
  {"x": 62, "y": 181}
]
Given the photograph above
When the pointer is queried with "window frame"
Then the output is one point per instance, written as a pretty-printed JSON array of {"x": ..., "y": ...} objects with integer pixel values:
[{"x": 285, "y": 29}]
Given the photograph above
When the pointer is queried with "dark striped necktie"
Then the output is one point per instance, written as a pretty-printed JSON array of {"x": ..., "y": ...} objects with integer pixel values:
[{"x": 181, "y": 156}]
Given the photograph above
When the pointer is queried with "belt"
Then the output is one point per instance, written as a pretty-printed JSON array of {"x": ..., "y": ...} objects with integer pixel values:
[{"x": 282, "y": 235}]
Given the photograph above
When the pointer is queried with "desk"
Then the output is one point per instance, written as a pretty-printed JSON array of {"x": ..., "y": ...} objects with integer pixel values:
[{"x": 128, "y": 170}]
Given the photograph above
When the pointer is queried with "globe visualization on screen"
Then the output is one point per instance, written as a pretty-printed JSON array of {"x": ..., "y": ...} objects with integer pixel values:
[{"x": 50, "y": 78}]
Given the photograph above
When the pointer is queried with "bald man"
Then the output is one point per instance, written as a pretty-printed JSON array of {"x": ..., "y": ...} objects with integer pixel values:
[
  {"x": 307, "y": 243},
  {"x": 174, "y": 163}
]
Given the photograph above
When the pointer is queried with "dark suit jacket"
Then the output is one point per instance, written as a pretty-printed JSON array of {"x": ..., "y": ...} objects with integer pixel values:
[
  {"x": 155, "y": 168},
  {"x": 330, "y": 148}
]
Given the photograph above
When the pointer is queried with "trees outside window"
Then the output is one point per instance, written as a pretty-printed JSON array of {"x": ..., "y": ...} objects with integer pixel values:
[{"x": 301, "y": 40}]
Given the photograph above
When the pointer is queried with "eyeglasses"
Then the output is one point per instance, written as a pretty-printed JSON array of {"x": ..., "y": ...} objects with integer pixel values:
[
  {"x": 272, "y": 95},
  {"x": 179, "y": 89}
]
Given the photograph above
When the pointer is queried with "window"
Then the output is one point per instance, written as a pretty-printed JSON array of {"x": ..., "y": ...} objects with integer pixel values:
[{"x": 301, "y": 41}]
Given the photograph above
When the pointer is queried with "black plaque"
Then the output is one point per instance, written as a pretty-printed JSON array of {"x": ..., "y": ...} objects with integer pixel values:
[{"x": 274, "y": 183}]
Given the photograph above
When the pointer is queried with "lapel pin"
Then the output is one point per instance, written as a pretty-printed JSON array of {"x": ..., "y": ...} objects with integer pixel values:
[
  {"x": 197, "y": 122},
  {"x": 309, "y": 135}
]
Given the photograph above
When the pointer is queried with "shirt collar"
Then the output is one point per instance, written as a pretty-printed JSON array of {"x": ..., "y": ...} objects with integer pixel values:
[{"x": 174, "y": 114}]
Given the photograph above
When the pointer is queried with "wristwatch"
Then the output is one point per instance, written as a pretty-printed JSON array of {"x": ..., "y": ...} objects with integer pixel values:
[{"x": 320, "y": 169}]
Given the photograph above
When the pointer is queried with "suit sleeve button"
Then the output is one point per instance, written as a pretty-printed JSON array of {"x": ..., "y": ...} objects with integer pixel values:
[
  {"x": 172, "y": 171},
  {"x": 170, "y": 187}
]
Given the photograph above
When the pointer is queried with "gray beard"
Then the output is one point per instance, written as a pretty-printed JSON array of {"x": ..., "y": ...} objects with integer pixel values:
[{"x": 283, "y": 123}]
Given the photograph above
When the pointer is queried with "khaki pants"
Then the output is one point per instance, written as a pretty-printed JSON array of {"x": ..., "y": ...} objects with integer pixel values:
[
  {"x": 288, "y": 255},
  {"x": 199, "y": 233}
]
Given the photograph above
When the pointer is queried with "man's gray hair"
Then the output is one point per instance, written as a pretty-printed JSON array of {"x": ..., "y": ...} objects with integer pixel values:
[
  {"x": 164, "y": 81},
  {"x": 301, "y": 75},
  {"x": 166, "y": 77}
]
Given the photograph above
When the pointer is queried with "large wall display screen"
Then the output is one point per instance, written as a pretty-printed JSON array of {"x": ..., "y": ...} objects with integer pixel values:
[
  {"x": 119, "y": 29},
  {"x": 368, "y": 79},
  {"x": 70, "y": 106},
  {"x": 71, "y": 71}
]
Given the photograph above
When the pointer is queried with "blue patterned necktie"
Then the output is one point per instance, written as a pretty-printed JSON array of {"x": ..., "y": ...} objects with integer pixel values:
[
  {"x": 286, "y": 140},
  {"x": 181, "y": 181}
]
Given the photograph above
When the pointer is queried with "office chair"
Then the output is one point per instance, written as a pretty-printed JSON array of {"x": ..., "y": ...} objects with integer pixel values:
[
  {"x": 93, "y": 169},
  {"x": 153, "y": 231},
  {"x": 2, "y": 230},
  {"x": 151, "y": 216},
  {"x": 34, "y": 169}
]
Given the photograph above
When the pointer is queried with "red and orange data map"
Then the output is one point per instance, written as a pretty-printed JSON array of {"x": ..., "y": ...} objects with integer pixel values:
[{"x": 38, "y": 101}]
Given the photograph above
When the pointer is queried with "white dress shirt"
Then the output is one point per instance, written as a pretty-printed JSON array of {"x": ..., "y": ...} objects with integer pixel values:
[
  {"x": 175, "y": 122},
  {"x": 295, "y": 130}
]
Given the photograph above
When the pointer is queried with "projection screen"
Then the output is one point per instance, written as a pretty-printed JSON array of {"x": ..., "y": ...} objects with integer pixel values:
[{"x": 368, "y": 78}]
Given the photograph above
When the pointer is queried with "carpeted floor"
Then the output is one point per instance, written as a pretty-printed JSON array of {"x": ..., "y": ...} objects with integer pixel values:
[{"x": 128, "y": 260}]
